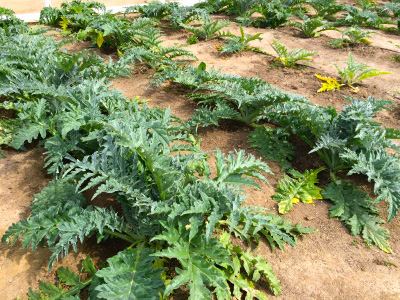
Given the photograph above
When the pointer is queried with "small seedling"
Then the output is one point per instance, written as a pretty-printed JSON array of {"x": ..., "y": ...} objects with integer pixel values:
[
  {"x": 354, "y": 73},
  {"x": 192, "y": 40},
  {"x": 240, "y": 43},
  {"x": 385, "y": 263},
  {"x": 208, "y": 30},
  {"x": 311, "y": 27},
  {"x": 290, "y": 58},
  {"x": 352, "y": 36}
]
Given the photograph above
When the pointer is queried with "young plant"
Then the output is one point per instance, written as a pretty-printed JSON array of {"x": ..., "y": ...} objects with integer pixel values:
[
  {"x": 50, "y": 16},
  {"x": 354, "y": 73},
  {"x": 390, "y": 10},
  {"x": 311, "y": 27},
  {"x": 359, "y": 17},
  {"x": 290, "y": 58},
  {"x": 274, "y": 13},
  {"x": 352, "y": 36},
  {"x": 208, "y": 30},
  {"x": 192, "y": 40},
  {"x": 184, "y": 15},
  {"x": 325, "y": 8},
  {"x": 366, "y": 5},
  {"x": 240, "y": 8},
  {"x": 155, "y": 9},
  {"x": 213, "y": 6},
  {"x": 240, "y": 43}
]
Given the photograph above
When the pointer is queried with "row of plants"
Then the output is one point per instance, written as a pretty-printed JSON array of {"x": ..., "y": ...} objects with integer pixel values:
[
  {"x": 347, "y": 142},
  {"x": 274, "y": 13},
  {"x": 97, "y": 139},
  {"x": 247, "y": 98},
  {"x": 140, "y": 38},
  {"x": 175, "y": 216}
]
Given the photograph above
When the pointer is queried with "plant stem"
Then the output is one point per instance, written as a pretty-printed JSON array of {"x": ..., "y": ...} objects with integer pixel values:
[{"x": 122, "y": 236}]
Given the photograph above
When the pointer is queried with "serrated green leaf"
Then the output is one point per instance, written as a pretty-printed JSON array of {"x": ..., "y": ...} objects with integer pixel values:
[
  {"x": 67, "y": 276},
  {"x": 131, "y": 276},
  {"x": 50, "y": 289},
  {"x": 356, "y": 210},
  {"x": 301, "y": 187},
  {"x": 273, "y": 144},
  {"x": 88, "y": 266}
]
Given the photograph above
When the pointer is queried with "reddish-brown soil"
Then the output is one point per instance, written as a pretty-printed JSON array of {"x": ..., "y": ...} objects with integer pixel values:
[{"x": 330, "y": 264}]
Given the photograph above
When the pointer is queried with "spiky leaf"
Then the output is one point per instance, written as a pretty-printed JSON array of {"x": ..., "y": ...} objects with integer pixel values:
[
  {"x": 273, "y": 144},
  {"x": 130, "y": 275},
  {"x": 356, "y": 210},
  {"x": 300, "y": 187}
]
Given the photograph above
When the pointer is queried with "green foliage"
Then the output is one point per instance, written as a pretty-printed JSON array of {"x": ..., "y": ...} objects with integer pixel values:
[
  {"x": 11, "y": 24},
  {"x": 231, "y": 169},
  {"x": 186, "y": 14},
  {"x": 254, "y": 266},
  {"x": 383, "y": 169},
  {"x": 353, "y": 73},
  {"x": 148, "y": 48},
  {"x": 311, "y": 27},
  {"x": 389, "y": 10},
  {"x": 274, "y": 13},
  {"x": 69, "y": 279},
  {"x": 130, "y": 275},
  {"x": 361, "y": 17},
  {"x": 356, "y": 210},
  {"x": 238, "y": 98},
  {"x": 290, "y": 58},
  {"x": 208, "y": 29},
  {"x": 253, "y": 223},
  {"x": 349, "y": 140},
  {"x": 326, "y": 8},
  {"x": 50, "y": 16},
  {"x": 154, "y": 9},
  {"x": 198, "y": 259},
  {"x": 352, "y": 36},
  {"x": 192, "y": 40},
  {"x": 56, "y": 203},
  {"x": 273, "y": 144},
  {"x": 189, "y": 76},
  {"x": 299, "y": 187},
  {"x": 240, "y": 43},
  {"x": 212, "y": 6},
  {"x": 59, "y": 219}
]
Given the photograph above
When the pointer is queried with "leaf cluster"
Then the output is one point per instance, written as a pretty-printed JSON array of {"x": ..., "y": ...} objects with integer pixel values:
[
  {"x": 311, "y": 27},
  {"x": 240, "y": 43},
  {"x": 208, "y": 29},
  {"x": 290, "y": 58},
  {"x": 169, "y": 202},
  {"x": 353, "y": 72}
]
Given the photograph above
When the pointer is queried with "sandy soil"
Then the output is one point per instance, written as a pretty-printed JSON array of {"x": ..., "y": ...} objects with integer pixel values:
[{"x": 329, "y": 264}]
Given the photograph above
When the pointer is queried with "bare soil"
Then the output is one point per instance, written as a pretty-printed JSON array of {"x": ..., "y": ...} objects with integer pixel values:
[{"x": 330, "y": 264}]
